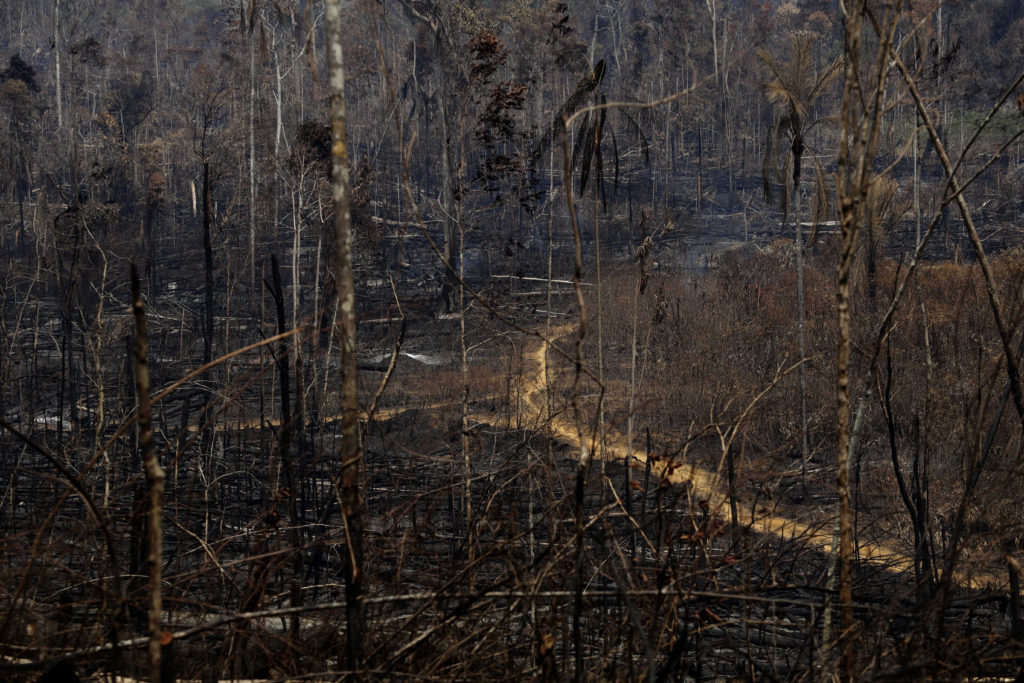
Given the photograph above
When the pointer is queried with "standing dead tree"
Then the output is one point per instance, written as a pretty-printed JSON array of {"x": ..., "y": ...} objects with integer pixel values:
[
  {"x": 345, "y": 322},
  {"x": 863, "y": 107},
  {"x": 154, "y": 478}
]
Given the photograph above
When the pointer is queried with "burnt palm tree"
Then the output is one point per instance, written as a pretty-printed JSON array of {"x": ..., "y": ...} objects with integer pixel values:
[
  {"x": 796, "y": 88},
  {"x": 591, "y": 136}
]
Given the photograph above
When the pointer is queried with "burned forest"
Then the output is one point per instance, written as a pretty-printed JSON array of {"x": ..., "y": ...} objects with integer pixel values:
[{"x": 662, "y": 340}]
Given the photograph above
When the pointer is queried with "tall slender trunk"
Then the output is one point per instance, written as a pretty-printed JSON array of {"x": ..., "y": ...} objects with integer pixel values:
[
  {"x": 447, "y": 182},
  {"x": 156, "y": 61},
  {"x": 21, "y": 185},
  {"x": 917, "y": 182},
  {"x": 599, "y": 309},
  {"x": 700, "y": 171},
  {"x": 713, "y": 15},
  {"x": 278, "y": 96},
  {"x": 849, "y": 229},
  {"x": 56, "y": 64},
  {"x": 207, "y": 439},
  {"x": 297, "y": 209},
  {"x": 252, "y": 157},
  {"x": 285, "y": 438},
  {"x": 154, "y": 479},
  {"x": 351, "y": 451},
  {"x": 853, "y": 164},
  {"x": 627, "y": 490},
  {"x": 208, "y": 261},
  {"x": 801, "y": 332},
  {"x": 464, "y": 361}
]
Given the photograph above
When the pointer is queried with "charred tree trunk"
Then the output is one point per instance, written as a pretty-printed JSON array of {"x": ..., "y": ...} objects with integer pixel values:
[
  {"x": 207, "y": 439},
  {"x": 290, "y": 491}
]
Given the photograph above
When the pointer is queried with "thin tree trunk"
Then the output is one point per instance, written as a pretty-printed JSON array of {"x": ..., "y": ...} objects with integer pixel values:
[
  {"x": 285, "y": 438},
  {"x": 861, "y": 115},
  {"x": 351, "y": 451},
  {"x": 851, "y": 194},
  {"x": 56, "y": 64},
  {"x": 154, "y": 479},
  {"x": 207, "y": 439},
  {"x": 599, "y": 309},
  {"x": 801, "y": 334},
  {"x": 447, "y": 184},
  {"x": 464, "y": 361},
  {"x": 297, "y": 209},
  {"x": 917, "y": 183},
  {"x": 647, "y": 483},
  {"x": 278, "y": 121},
  {"x": 252, "y": 156},
  {"x": 627, "y": 492},
  {"x": 713, "y": 15}
]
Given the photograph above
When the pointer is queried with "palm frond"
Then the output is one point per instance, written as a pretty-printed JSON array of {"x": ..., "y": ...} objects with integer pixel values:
[
  {"x": 794, "y": 85},
  {"x": 584, "y": 88},
  {"x": 881, "y": 193},
  {"x": 826, "y": 78},
  {"x": 583, "y": 149},
  {"x": 780, "y": 88},
  {"x": 602, "y": 116}
]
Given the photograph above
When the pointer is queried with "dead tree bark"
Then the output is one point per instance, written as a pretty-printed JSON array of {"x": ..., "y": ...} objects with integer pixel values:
[
  {"x": 861, "y": 117},
  {"x": 207, "y": 439},
  {"x": 345, "y": 322},
  {"x": 285, "y": 450},
  {"x": 154, "y": 477},
  {"x": 849, "y": 206}
]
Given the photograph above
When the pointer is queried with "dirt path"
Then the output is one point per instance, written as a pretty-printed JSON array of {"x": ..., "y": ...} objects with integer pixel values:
[{"x": 705, "y": 484}]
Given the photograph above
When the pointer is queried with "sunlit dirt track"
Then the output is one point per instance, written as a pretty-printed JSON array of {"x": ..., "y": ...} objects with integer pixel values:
[{"x": 704, "y": 484}]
